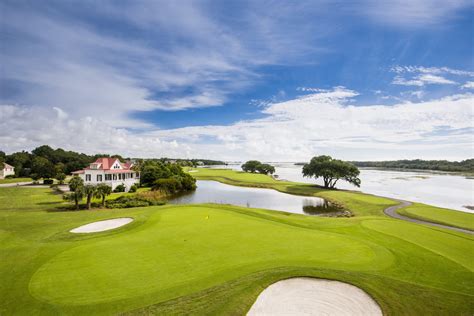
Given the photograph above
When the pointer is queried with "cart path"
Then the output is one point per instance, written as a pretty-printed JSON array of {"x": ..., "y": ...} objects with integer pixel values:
[{"x": 392, "y": 212}]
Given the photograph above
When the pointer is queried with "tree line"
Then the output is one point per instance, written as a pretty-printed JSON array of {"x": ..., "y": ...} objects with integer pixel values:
[
  {"x": 439, "y": 165},
  {"x": 46, "y": 162}
]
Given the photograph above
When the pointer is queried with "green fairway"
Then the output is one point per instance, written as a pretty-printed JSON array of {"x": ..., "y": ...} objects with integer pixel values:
[
  {"x": 216, "y": 259},
  {"x": 439, "y": 215}
]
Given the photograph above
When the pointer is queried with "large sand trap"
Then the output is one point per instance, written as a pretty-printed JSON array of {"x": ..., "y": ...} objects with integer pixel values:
[
  {"x": 102, "y": 225},
  {"x": 309, "y": 296}
]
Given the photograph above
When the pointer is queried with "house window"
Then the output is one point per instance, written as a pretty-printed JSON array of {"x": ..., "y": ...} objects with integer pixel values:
[
  {"x": 88, "y": 177},
  {"x": 99, "y": 178},
  {"x": 108, "y": 177},
  {"x": 115, "y": 177}
]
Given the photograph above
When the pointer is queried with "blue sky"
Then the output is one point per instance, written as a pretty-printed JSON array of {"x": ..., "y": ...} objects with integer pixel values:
[{"x": 239, "y": 79}]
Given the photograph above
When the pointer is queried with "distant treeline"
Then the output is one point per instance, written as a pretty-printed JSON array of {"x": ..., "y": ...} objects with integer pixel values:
[
  {"x": 46, "y": 162},
  {"x": 192, "y": 162},
  {"x": 439, "y": 165}
]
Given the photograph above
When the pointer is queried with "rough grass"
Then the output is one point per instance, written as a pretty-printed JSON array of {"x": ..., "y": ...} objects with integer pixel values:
[{"x": 214, "y": 259}]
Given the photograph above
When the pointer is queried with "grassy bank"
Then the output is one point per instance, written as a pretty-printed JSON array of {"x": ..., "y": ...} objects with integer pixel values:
[
  {"x": 439, "y": 215},
  {"x": 15, "y": 180},
  {"x": 216, "y": 259}
]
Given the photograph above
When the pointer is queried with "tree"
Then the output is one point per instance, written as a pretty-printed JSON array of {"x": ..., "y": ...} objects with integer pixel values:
[
  {"x": 102, "y": 191},
  {"x": 251, "y": 166},
  {"x": 76, "y": 186},
  {"x": 61, "y": 177},
  {"x": 256, "y": 166},
  {"x": 89, "y": 191},
  {"x": 42, "y": 167},
  {"x": 265, "y": 169},
  {"x": 331, "y": 170}
]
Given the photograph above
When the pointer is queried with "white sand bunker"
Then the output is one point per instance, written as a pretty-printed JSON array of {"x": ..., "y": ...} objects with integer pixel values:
[
  {"x": 309, "y": 296},
  {"x": 102, "y": 225}
]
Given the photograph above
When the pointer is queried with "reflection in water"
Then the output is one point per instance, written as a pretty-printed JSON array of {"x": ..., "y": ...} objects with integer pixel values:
[
  {"x": 216, "y": 192},
  {"x": 326, "y": 209}
]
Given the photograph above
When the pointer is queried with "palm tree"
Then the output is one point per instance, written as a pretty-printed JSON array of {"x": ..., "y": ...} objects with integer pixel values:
[
  {"x": 75, "y": 196},
  {"x": 89, "y": 191},
  {"x": 76, "y": 186},
  {"x": 102, "y": 191}
]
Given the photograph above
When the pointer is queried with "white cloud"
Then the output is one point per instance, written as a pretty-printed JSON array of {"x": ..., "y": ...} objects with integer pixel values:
[
  {"x": 317, "y": 123},
  {"x": 468, "y": 85}
]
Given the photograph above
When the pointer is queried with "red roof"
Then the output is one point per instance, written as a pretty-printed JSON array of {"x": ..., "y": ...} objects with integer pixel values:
[{"x": 105, "y": 164}]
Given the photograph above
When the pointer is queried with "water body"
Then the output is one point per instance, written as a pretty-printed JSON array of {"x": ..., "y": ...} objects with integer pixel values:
[
  {"x": 441, "y": 189},
  {"x": 216, "y": 192}
]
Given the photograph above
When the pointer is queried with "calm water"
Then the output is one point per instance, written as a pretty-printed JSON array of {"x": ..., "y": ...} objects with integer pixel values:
[
  {"x": 216, "y": 192},
  {"x": 439, "y": 189}
]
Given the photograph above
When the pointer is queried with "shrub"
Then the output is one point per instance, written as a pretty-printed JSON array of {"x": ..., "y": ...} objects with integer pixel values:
[
  {"x": 48, "y": 181},
  {"x": 169, "y": 185},
  {"x": 154, "y": 196},
  {"x": 130, "y": 201},
  {"x": 11, "y": 176},
  {"x": 133, "y": 189},
  {"x": 119, "y": 188}
]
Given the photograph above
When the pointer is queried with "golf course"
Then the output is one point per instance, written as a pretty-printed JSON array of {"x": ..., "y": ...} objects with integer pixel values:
[{"x": 215, "y": 259}]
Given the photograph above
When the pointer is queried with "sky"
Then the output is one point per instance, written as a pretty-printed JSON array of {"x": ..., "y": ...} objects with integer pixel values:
[{"x": 238, "y": 80}]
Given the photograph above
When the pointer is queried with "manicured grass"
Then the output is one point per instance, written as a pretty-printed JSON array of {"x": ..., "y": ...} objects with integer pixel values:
[
  {"x": 439, "y": 215},
  {"x": 215, "y": 259},
  {"x": 15, "y": 180}
]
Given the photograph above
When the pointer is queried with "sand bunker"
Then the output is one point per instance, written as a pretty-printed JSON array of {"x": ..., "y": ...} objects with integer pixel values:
[
  {"x": 102, "y": 225},
  {"x": 309, "y": 296}
]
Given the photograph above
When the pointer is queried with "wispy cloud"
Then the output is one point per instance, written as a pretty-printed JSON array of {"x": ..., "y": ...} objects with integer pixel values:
[
  {"x": 413, "y": 13},
  {"x": 180, "y": 59},
  {"x": 421, "y": 76}
]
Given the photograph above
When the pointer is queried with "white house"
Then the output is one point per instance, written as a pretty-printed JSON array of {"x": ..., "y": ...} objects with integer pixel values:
[
  {"x": 110, "y": 171},
  {"x": 7, "y": 171}
]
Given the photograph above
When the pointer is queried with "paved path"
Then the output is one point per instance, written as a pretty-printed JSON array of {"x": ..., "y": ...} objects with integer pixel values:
[{"x": 392, "y": 212}]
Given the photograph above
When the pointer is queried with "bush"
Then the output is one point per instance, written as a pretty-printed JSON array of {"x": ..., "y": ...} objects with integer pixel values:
[
  {"x": 133, "y": 189},
  {"x": 119, "y": 188},
  {"x": 131, "y": 201},
  {"x": 169, "y": 185},
  {"x": 11, "y": 176},
  {"x": 48, "y": 181}
]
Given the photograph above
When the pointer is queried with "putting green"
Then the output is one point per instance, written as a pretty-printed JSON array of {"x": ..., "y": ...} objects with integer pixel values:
[{"x": 179, "y": 246}]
